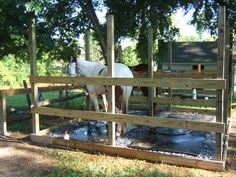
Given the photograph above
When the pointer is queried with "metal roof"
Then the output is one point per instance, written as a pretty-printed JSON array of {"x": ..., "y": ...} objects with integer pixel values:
[{"x": 194, "y": 52}]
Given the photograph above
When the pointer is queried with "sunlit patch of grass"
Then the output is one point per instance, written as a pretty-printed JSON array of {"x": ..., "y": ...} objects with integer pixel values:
[
  {"x": 78, "y": 163},
  {"x": 193, "y": 107}
]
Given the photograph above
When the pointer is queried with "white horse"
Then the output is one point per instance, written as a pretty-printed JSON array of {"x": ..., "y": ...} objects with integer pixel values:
[{"x": 82, "y": 68}]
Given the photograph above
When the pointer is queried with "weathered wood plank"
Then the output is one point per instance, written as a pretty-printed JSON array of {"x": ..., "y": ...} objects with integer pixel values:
[
  {"x": 178, "y": 74},
  {"x": 132, "y": 153},
  {"x": 150, "y": 72},
  {"x": 133, "y": 119},
  {"x": 49, "y": 101},
  {"x": 145, "y": 82},
  {"x": 178, "y": 101},
  {"x": 3, "y": 115},
  {"x": 35, "y": 116},
  {"x": 198, "y": 110},
  {"x": 12, "y": 92},
  {"x": 111, "y": 73},
  {"x": 190, "y": 91},
  {"x": 220, "y": 69}
]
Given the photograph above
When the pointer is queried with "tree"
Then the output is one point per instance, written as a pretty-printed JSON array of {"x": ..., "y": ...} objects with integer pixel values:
[{"x": 59, "y": 23}]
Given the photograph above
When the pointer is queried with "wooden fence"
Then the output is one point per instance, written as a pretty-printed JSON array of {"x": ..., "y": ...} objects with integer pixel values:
[
  {"x": 217, "y": 127},
  {"x": 13, "y": 92}
]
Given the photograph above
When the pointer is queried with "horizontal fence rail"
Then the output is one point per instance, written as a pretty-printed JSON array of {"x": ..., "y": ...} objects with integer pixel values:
[
  {"x": 178, "y": 74},
  {"x": 12, "y": 92},
  {"x": 144, "y": 82},
  {"x": 179, "y": 101},
  {"x": 133, "y": 119}
]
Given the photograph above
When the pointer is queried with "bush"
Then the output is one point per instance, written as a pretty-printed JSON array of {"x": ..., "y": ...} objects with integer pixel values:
[{"x": 14, "y": 70}]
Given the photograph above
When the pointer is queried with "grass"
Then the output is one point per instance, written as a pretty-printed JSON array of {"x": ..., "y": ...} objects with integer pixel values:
[
  {"x": 18, "y": 105},
  {"x": 77, "y": 163}
]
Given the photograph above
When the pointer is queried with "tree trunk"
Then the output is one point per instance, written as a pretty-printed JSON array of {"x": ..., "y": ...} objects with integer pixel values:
[{"x": 87, "y": 6}]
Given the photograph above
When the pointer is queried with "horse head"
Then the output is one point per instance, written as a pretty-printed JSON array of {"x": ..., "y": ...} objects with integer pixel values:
[{"x": 72, "y": 68}]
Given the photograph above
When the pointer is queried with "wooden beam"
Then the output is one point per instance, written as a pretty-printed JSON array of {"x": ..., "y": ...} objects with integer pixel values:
[
  {"x": 145, "y": 82},
  {"x": 170, "y": 56},
  {"x": 134, "y": 119},
  {"x": 87, "y": 45},
  {"x": 189, "y": 91},
  {"x": 177, "y": 101},
  {"x": 111, "y": 73},
  {"x": 3, "y": 115},
  {"x": 178, "y": 74},
  {"x": 32, "y": 47},
  {"x": 227, "y": 92},
  {"x": 49, "y": 101},
  {"x": 120, "y": 57},
  {"x": 12, "y": 92},
  {"x": 33, "y": 69},
  {"x": 220, "y": 69},
  {"x": 132, "y": 153},
  {"x": 198, "y": 110},
  {"x": 150, "y": 72}
]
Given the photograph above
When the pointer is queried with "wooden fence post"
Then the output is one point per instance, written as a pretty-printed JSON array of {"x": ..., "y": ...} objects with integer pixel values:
[
  {"x": 3, "y": 115},
  {"x": 227, "y": 94},
  {"x": 120, "y": 58},
  {"x": 33, "y": 66},
  {"x": 27, "y": 95},
  {"x": 87, "y": 58},
  {"x": 170, "y": 56},
  {"x": 150, "y": 72},
  {"x": 111, "y": 89},
  {"x": 220, "y": 92},
  {"x": 87, "y": 45}
]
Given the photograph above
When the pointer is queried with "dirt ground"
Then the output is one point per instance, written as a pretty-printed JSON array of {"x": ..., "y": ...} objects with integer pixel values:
[{"x": 22, "y": 159}]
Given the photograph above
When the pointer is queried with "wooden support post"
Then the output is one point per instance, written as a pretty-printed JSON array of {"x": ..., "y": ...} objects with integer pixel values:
[
  {"x": 111, "y": 73},
  {"x": 170, "y": 56},
  {"x": 87, "y": 57},
  {"x": 33, "y": 66},
  {"x": 120, "y": 58},
  {"x": 87, "y": 45},
  {"x": 27, "y": 95},
  {"x": 220, "y": 69},
  {"x": 231, "y": 73},
  {"x": 226, "y": 72},
  {"x": 3, "y": 115},
  {"x": 150, "y": 71},
  {"x": 233, "y": 79}
]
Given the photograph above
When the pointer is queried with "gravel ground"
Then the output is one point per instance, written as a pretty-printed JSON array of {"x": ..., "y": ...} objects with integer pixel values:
[{"x": 88, "y": 131}]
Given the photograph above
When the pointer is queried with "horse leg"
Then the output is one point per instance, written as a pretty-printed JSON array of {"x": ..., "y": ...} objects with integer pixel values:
[
  {"x": 124, "y": 108},
  {"x": 104, "y": 101},
  {"x": 94, "y": 99}
]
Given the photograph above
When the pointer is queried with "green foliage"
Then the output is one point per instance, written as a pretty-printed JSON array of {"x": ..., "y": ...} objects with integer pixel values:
[
  {"x": 95, "y": 49},
  {"x": 130, "y": 56},
  {"x": 13, "y": 70},
  {"x": 6, "y": 76},
  {"x": 193, "y": 39},
  {"x": 60, "y": 23}
]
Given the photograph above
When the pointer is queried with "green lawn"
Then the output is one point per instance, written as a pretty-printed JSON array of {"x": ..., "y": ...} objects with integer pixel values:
[{"x": 18, "y": 106}]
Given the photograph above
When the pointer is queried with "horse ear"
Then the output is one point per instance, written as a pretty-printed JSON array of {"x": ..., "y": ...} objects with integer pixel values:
[{"x": 70, "y": 58}]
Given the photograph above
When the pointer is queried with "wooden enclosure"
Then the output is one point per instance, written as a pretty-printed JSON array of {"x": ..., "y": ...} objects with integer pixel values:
[
  {"x": 218, "y": 127},
  {"x": 218, "y": 84},
  {"x": 12, "y": 92}
]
